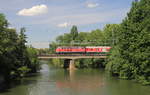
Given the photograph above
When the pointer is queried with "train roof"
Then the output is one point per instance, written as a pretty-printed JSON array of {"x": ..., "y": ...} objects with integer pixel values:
[
  {"x": 83, "y": 47},
  {"x": 70, "y": 47},
  {"x": 97, "y": 46}
]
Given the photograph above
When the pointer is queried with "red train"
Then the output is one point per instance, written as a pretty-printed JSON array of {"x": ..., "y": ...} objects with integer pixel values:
[{"x": 78, "y": 49}]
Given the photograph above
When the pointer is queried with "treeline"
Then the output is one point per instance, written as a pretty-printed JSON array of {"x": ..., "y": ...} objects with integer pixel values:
[
  {"x": 130, "y": 57},
  {"x": 130, "y": 41},
  {"x": 105, "y": 37},
  {"x": 95, "y": 37},
  {"x": 16, "y": 59}
]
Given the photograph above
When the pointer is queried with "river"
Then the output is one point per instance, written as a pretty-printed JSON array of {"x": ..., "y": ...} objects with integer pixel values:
[{"x": 54, "y": 81}]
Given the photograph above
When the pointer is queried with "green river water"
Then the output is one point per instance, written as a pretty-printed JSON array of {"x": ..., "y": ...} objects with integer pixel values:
[{"x": 54, "y": 81}]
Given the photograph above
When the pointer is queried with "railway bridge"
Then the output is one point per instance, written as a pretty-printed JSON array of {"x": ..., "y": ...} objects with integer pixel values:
[{"x": 71, "y": 57}]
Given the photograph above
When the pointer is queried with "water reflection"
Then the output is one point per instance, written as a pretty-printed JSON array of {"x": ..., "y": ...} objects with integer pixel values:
[
  {"x": 65, "y": 82},
  {"x": 80, "y": 84}
]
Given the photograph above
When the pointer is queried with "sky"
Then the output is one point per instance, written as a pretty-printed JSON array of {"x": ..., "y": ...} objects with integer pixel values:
[{"x": 44, "y": 20}]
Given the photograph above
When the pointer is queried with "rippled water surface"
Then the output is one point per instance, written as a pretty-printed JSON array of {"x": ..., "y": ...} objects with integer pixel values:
[{"x": 52, "y": 81}]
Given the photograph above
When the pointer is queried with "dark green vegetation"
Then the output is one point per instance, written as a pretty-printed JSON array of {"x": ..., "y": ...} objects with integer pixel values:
[
  {"x": 16, "y": 59},
  {"x": 130, "y": 57},
  {"x": 130, "y": 41}
]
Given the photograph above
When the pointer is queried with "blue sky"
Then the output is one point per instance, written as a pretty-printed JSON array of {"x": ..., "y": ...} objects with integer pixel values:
[{"x": 44, "y": 20}]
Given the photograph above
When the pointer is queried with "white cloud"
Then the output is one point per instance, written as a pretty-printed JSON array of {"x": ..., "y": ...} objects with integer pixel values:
[
  {"x": 92, "y": 5},
  {"x": 35, "y": 10},
  {"x": 63, "y": 25}
]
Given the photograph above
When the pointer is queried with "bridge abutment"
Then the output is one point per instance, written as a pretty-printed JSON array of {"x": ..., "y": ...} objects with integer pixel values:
[{"x": 69, "y": 64}]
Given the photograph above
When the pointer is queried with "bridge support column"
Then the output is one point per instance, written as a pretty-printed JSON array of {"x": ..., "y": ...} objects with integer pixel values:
[{"x": 72, "y": 64}]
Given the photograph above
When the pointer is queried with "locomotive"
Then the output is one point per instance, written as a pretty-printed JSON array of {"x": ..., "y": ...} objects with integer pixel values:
[{"x": 82, "y": 50}]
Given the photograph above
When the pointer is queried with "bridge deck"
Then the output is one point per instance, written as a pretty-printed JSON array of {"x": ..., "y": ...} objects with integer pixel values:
[{"x": 72, "y": 56}]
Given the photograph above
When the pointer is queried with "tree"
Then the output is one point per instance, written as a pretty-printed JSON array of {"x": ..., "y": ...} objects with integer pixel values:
[
  {"x": 21, "y": 48},
  {"x": 95, "y": 37},
  {"x": 132, "y": 50},
  {"x": 34, "y": 62},
  {"x": 74, "y": 33},
  {"x": 110, "y": 34},
  {"x": 3, "y": 22},
  {"x": 7, "y": 43},
  {"x": 15, "y": 60}
]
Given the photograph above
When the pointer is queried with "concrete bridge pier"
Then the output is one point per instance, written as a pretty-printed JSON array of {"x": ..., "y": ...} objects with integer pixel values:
[
  {"x": 72, "y": 64},
  {"x": 69, "y": 64}
]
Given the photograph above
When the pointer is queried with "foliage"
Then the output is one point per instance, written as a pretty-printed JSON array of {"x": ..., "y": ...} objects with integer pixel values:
[
  {"x": 23, "y": 70},
  {"x": 57, "y": 62},
  {"x": 15, "y": 59},
  {"x": 94, "y": 38},
  {"x": 43, "y": 51},
  {"x": 130, "y": 56},
  {"x": 111, "y": 34},
  {"x": 34, "y": 62},
  {"x": 74, "y": 33}
]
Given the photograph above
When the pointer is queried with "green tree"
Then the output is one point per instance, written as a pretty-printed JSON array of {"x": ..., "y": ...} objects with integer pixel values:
[
  {"x": 21, "y": 48},
  {"x": 15, "y": 60},
  {"x": 95, "y": 37},
  {"x": 34, "y": 62},
  {"x": 110, "y": 34},
  {"x": 7, "y": 43},
  {"x": 3, "y": 22},
  {"x": 132, "y": 52},
  {"x": 74, "y": 33}
]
